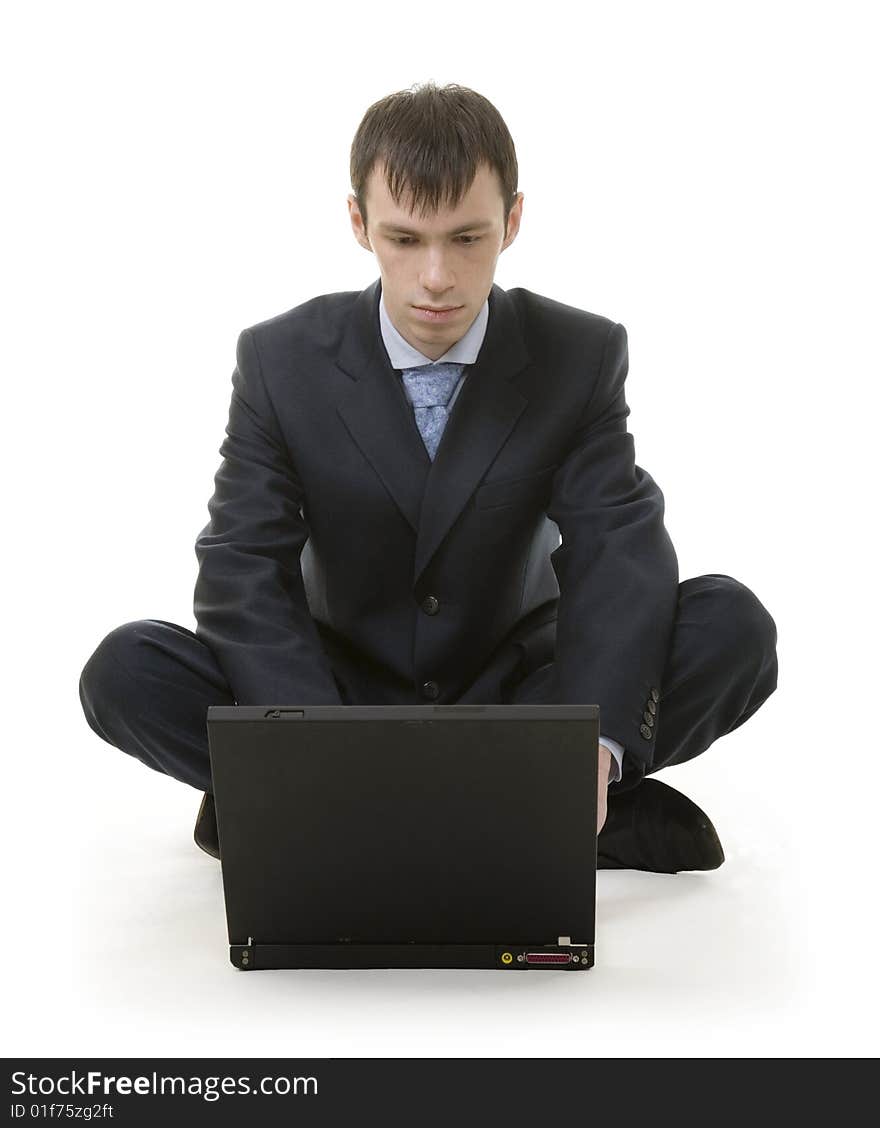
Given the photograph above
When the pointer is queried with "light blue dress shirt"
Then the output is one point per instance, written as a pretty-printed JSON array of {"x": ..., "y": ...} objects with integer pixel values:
[{"x": 465, "y": 350}]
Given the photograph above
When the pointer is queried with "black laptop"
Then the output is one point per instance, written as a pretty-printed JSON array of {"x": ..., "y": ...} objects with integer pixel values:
[{"x": 415, "y": 836}]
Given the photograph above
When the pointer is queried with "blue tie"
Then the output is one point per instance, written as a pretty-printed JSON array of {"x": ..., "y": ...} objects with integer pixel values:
[{"x": 428, "y": 388}]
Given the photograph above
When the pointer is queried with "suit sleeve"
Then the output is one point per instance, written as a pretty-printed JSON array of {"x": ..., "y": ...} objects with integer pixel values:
[
  {"x": 616, "y": 568},
  {"x": 250, "y": 603}
]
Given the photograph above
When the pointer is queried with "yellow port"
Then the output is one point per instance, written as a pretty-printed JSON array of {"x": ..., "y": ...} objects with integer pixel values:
[{"x": 506, "y": 957}]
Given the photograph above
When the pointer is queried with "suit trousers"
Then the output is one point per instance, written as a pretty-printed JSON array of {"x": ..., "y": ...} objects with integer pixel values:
[{"x": 146, "y": 688}]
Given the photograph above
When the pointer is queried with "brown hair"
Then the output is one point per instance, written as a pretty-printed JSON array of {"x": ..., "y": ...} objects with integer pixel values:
[{"x": 432, "y": 140}]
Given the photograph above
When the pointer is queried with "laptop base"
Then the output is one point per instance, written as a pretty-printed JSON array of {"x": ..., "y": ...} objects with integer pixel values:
[{"x": 510, "y": 957}]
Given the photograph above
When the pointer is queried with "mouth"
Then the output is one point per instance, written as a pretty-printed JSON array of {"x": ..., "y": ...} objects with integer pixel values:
[{"x": 437, "y": 313}]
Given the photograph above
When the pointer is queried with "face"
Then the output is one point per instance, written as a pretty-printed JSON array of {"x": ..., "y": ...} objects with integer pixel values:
[{"x": 441, "y": 261}]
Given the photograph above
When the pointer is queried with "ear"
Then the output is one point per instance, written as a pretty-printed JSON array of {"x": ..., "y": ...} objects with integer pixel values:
[
  {"x": 513, "y": 221},
  {"x": 357, "y": 222}
]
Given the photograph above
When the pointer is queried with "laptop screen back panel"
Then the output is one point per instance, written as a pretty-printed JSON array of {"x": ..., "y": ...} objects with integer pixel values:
[{"x": 430, "y": 830}]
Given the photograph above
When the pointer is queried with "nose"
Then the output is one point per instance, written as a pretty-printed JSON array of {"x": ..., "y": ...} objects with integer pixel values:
[{"x": 435, "y": 275}]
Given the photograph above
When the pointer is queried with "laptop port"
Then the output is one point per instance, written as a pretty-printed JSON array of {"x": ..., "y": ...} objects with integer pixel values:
[{"x": 548, "y": 957}]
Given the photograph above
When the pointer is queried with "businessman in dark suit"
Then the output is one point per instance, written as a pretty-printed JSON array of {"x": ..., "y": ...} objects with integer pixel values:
[{"x": 399, "y": 466}]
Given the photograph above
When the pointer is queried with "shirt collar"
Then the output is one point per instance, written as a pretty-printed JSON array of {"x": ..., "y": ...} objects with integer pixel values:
[{"x": 402, "y": 354}]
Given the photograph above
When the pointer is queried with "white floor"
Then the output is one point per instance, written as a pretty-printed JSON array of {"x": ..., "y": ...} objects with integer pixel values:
[{"x": 120, "y": 944}]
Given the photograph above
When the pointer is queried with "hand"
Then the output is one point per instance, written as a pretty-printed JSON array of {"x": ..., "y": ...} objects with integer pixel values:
[{"x": 602, "y": 794}]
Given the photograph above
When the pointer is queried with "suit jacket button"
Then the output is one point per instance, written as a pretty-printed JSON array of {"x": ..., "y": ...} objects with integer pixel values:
[
  {"x": 655, "y": 695},
  {"x": 646, "y": 732},
  {"x": 430, "y": 604},
  {"x": 648, "y": 719},
  {"x": 652, "y": 706},
  {"x": 431, "y": 690}
]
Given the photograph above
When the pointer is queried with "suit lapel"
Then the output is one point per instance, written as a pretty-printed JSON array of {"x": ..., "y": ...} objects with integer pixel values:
[
  {"x": 375, "y": 410},
  {"x": 373, "y": 407},
  {"x": 484, "y": 414}
]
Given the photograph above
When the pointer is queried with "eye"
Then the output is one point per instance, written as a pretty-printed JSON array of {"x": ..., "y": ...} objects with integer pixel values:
[{"x": 405, "y": 240}]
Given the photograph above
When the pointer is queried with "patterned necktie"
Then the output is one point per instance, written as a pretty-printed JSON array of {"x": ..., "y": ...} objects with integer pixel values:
[{"x": 428, "y": 388}]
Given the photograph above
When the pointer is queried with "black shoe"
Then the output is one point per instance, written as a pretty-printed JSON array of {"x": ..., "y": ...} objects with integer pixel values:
[
  {"x": 653, "y": 827},
  {"x": 205, "y": 833}
]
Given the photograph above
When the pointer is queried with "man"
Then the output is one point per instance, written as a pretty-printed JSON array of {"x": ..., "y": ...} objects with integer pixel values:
[{"x": 399, "y": 466}]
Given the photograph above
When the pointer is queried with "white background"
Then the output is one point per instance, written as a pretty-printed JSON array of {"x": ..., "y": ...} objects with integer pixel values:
[{"x": 703, "y": 173}]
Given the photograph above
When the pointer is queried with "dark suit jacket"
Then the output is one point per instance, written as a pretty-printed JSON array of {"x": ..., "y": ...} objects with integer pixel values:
[{"x": 340, "y": 564}]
